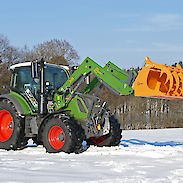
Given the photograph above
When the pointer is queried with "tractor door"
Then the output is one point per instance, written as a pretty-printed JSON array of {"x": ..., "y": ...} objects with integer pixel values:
[{"x": 22, "y": 81}]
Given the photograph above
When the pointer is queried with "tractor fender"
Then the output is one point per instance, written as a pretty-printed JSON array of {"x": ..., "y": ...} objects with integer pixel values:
[{"x": 14, "y": 101}]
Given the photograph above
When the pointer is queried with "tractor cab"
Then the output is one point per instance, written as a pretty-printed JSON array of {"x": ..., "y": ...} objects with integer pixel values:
[{"x": 23, "y": 83}]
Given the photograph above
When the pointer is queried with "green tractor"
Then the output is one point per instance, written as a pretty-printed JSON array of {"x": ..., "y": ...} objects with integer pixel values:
[{"x": 44, "y": 104}]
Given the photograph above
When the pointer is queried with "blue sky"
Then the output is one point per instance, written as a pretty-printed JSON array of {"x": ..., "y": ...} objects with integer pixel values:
[{"x": 121, "y": 31}]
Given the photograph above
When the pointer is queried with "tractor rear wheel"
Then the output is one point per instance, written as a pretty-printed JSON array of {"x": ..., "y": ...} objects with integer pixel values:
[
  {"x": 113, "y": 138},
  {"x": 11, "y": 127},
  {"x": 62, "y": 134}
]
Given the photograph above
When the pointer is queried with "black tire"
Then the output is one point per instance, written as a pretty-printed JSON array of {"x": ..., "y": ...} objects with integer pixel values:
[
  {"x": 11, "y": 127},
  {"x": 113, "y": 138},
  {"x": 62, "y": 134}
]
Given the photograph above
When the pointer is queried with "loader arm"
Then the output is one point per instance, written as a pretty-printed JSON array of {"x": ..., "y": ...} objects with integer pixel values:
[
  {"x": 118, "y": 73},
  {"x": 110, "y": 76}
]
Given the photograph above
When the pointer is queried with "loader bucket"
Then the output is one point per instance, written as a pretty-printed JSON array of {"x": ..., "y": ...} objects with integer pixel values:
[{"x": 159, "y": 81}]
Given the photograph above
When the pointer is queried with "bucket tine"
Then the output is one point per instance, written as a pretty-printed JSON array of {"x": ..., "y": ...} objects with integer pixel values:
[
  {"x": 181, "y": 82},
  {"x": 177, "y": 83}
]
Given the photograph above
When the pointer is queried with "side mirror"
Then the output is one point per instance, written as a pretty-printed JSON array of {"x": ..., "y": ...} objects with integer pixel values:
[{"x": 34, "y": 69}]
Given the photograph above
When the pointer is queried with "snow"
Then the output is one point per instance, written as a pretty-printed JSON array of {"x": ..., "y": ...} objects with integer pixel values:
[{"x": 142, "y": 156}]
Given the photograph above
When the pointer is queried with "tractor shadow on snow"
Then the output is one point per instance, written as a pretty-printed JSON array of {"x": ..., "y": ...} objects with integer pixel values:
[{"x": 126, "y": 143}]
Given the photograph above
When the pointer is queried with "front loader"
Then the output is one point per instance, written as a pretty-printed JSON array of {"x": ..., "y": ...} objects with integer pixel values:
[{"x": 44, "y": 104}]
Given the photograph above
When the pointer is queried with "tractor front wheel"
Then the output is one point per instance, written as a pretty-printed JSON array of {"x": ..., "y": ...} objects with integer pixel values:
[
  {"x": 62, "y": 134},
  {"x": 111, "y": 139}
]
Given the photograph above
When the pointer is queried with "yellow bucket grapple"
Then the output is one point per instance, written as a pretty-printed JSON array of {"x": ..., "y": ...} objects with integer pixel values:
[{"x": 159, "y": 81}]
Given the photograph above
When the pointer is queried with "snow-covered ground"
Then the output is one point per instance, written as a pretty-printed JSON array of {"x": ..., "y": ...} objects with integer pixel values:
[{"x": 143, "y": 156}]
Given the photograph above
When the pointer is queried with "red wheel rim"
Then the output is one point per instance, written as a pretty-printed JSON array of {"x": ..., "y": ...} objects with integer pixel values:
[
  {"x": 56, "y": 137},
  {"x": 6, "y": 125},
  {"x": 98, "y": 140}
]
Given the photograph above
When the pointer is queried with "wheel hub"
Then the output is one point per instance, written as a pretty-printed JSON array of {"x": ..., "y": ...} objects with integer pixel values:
[
  {"x": 61, "y": 136},
  {"x": 56, "y": 137},
  {"x": 10, "y": 125}
]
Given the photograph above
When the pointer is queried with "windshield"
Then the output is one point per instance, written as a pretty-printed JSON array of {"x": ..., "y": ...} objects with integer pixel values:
[{"x": 55, "y": 75}]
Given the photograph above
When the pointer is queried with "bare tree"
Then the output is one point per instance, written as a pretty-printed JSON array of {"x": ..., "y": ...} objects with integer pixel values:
[
  {"x": 57, "y": 51},
  {"x": 8, "y": 54},
  {"x": 28, "y": 55}
]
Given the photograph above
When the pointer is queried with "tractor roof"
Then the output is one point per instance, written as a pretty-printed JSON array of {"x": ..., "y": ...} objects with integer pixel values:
[{"x": 28, "y": 64}]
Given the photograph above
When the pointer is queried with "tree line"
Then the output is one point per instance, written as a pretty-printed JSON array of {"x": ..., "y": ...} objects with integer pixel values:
[
  {"x": 147, "y": 113},
  {"x": 132, "y": 112}
]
